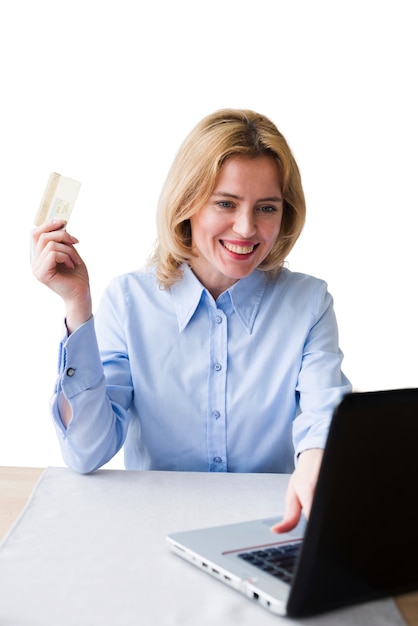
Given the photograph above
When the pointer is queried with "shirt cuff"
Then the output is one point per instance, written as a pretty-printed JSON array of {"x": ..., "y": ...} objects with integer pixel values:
[{"x": 80, "y": 365}]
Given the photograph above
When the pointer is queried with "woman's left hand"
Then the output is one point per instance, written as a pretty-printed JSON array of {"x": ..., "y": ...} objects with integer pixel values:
[{"x": 301, "y": 489}]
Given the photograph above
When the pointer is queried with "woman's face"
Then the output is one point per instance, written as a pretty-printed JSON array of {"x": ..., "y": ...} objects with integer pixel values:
[{"x": 234, "y": 231}]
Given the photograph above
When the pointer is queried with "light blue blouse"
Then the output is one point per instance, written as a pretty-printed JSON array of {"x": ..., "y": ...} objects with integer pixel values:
[{"x": 243, "y": 384}]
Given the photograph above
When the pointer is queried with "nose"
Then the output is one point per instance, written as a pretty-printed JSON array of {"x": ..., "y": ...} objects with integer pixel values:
[{"x": 244, "y": 224}]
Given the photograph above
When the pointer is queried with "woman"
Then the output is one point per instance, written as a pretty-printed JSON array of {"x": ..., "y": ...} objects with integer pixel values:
[{"x": 214, "y": 357}]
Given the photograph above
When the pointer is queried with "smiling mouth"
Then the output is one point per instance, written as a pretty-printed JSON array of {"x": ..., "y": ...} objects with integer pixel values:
[{"x": 232, "y": 247}]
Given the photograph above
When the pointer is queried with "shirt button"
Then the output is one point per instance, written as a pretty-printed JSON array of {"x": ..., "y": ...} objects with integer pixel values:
[
  {"x": 217, "y": 459},
  {"x": 216, "y": 414},
  {"x": 218, "y": 367},
  {"x": 218, "y": 319},
  {"x": 70, "y": 371}
]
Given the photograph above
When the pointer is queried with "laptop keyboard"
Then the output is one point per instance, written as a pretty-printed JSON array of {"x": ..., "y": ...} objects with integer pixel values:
[{"x": 278, "y": 561}]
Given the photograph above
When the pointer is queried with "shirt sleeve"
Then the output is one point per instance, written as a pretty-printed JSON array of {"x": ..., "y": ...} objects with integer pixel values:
[
  {"x": 99, "y": 422},
  {"x": 321, "y": 382}
]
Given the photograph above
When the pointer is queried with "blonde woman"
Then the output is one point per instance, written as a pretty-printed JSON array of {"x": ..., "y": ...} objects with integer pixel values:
[{"x": 214, "y": 357}]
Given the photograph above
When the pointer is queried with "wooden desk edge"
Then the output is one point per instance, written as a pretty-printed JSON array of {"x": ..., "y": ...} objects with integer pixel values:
[{"x": 17, "y": 484}]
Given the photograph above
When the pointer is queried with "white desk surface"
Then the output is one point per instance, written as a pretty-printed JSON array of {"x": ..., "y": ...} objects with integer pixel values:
[{"x": 91, "y": 550}]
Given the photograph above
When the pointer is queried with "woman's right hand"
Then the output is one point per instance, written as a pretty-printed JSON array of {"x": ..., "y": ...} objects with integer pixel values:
[{"x": 57, "y": 264}]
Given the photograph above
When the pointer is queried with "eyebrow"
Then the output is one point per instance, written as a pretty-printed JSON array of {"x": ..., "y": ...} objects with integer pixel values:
[{"x": 227, "y": 194}]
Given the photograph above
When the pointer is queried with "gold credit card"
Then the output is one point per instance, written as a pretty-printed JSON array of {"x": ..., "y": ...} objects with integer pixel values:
[{"x": 58, "y": 199}]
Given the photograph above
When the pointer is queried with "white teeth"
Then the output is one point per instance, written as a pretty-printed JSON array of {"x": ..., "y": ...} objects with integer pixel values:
[{"x": 238, "y": 249}]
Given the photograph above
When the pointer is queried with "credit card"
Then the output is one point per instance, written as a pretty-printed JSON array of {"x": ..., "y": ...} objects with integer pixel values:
[{"x": 58, "y": 200}]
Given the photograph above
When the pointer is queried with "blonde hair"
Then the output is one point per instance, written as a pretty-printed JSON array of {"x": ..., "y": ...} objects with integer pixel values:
[{"x": 192, "y": 179}]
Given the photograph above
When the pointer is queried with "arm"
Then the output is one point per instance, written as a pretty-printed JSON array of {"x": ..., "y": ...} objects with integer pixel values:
[
  {"x": 321, "y": 385},
  {"x": 91, "y": 427},
  {"x": 56, "y": 264}
]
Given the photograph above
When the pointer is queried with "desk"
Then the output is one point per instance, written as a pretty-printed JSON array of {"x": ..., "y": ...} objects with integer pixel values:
[{"x": 155, "y": 498}]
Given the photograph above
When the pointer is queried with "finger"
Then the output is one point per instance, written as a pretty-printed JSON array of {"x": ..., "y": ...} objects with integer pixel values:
[
  {"x": 306, "y": 500},
  {"x": 38, "y": 231},
  {"x": 47, "y": 227},
  {"x": 53, "y": 256},
  {"x": 291, "y": 516},
  {"x": 41, "y": 239},
  {"x": 52, "y": 232}
]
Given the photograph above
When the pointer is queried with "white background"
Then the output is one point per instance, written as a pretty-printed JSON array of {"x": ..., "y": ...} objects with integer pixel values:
[{"x": 104, "y": 92}]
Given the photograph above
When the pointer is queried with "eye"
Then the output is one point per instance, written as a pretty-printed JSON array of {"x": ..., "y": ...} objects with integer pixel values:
[
  {"x": 224, "y": 204},
  {"x": 267, "y": 209}
]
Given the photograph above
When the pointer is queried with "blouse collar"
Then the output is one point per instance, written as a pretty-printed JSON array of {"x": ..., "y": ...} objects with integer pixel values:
[{"x": 245, "y": 295}]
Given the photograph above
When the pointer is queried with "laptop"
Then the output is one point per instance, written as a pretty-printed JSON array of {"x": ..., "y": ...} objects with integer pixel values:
[{"x": 361, "y": 540}]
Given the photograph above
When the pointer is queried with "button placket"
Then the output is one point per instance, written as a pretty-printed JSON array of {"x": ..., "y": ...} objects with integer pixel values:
[{"x": 217, "y": 390}]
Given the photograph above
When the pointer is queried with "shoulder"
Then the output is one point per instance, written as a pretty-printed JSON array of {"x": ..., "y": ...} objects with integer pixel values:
[
  {"x": 134, "y": 287},
  {"x": 144, "y": 278},
  {"x": 134, "y": 296},
  {"x": 300, "y": 291},
  {"x": 297, "y": 282}
]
